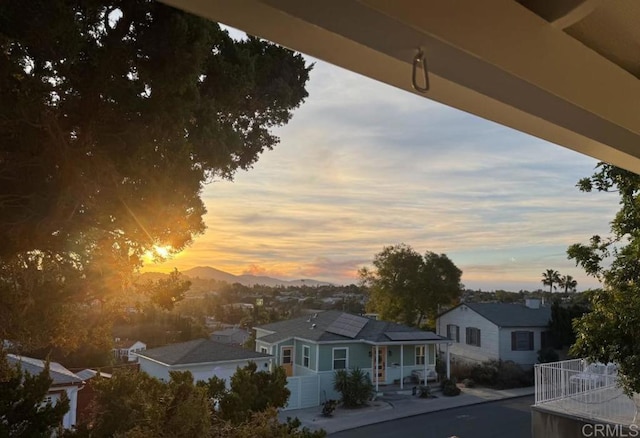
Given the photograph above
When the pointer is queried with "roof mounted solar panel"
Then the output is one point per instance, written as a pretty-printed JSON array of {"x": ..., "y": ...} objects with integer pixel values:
[{"x": 347, "y": 325}]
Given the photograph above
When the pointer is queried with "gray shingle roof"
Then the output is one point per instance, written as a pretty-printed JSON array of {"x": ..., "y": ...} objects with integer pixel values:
[
  {"x": 88, "y": 374},
  {"x": 200, "y": 351},
  {"x": 59, "y": 374},
  {"x": 373, "y": 331},
  {"x": 512, "y": 315},
  {"x": 229, "y": 332}
]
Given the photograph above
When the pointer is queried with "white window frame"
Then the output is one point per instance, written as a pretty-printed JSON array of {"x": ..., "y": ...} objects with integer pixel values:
[
  {"x": 345, "y": 358},
  {"x": 420, "y": 352},
  {"x": 306, "y": 356},
  {"x": 264, "y": 350}
]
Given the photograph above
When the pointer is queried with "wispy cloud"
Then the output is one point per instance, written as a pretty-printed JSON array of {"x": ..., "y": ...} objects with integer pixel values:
[{"x": 363, "y": 165}]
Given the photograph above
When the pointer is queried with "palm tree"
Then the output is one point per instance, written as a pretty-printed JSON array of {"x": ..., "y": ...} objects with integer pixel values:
[
  {"x": 550, "y": 278},
  {"x": 568, "y": 283}
]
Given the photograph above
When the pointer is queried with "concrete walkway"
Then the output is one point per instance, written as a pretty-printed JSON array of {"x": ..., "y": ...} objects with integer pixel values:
[{"x": 395, "y": 406}]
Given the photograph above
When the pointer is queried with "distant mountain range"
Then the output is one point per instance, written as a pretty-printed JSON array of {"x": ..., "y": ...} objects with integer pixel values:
[{"x": 209, "y": 273}]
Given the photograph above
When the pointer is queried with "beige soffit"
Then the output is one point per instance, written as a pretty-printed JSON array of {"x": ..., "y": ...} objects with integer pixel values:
[{"x": 498, "y": 59}]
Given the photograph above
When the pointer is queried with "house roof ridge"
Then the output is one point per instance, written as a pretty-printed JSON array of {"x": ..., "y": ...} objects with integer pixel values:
[{"x": 519, "y": 314}]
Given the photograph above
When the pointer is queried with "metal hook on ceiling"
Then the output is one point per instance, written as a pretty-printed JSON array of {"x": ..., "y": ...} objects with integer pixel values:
[{"x": 420, "y": 58}]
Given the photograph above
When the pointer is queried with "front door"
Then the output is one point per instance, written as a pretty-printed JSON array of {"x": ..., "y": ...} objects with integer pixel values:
[
  {"x": 379, "y": 367},
  {"x": 286, "y": 360}
]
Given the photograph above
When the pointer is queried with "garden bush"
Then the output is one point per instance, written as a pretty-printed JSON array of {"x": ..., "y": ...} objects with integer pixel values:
[
  {"x": 501, "y": 375},
  {"x": 449, "y": 388},
  {"x": 461, "y": 370},
  {"x": 468, "y": 383},
  {"x": 548, "y": 355},
  {"x": 354, "y": 386}
]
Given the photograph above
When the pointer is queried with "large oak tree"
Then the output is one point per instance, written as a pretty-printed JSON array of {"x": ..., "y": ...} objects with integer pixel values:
[
  {"x": 114, "y": 115},
  {"x": 407, "y": 287}
]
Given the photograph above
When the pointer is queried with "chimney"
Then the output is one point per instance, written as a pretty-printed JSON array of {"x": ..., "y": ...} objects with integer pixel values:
[{"x": 532, "y": 303}]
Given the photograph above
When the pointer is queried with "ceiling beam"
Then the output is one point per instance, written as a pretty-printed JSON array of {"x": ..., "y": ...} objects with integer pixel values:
[{"x": 561, "y": 13}]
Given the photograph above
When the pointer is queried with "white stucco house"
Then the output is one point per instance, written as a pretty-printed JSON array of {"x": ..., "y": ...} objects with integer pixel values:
[
  {"x": 483, "y": 331},
  {"x": 63, "y": 381},
  {"x": 126, "y": 350},
  {"x": 204, "y": 358}
]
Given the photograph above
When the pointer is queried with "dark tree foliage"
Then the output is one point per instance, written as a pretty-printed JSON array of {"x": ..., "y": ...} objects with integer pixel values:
[
  {"x": 251, "y": 390},
  {"x": 114, "y": 114},
  {"x": 22, "y": 411},
  {"x": 137, "y": 405},
  {"x": 405, "y": 286},
  {"x": 609, "y": 333},
  {"x": 165, "y": 292},
  {"x": 561, "y": 323},
  {"x": 265, "y": 424}
]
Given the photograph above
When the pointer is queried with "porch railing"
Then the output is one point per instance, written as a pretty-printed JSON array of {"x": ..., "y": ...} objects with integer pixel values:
[{"x": 583, "y": 389}]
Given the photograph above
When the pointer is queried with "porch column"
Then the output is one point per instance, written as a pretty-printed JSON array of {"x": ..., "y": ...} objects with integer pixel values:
[
  {"x": 377, "y": 369},
  {"x": 448, "y": 362},
  {"x": 401, "y": 366},
  {"x": 426, "y": 354}
]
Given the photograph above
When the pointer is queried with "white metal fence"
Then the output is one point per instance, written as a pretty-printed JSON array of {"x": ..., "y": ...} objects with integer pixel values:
[{"x": 587, "y": 390}]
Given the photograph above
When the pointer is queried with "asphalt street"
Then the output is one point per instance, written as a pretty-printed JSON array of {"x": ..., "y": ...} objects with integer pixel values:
[{"x": 509, "y": 418}]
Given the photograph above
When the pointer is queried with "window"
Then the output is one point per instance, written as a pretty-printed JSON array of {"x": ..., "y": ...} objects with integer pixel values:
[
  {"x": 521, "y": 341},
  {"x": 339, "y": 358},
  {"x": 420, "y": 355},
  {"x": 453, "y": 332},
  {"x": 263, "y": 350},
  {"x": 305, "y": 356},
  {"x": 286, "y": 355},
  {"x": 473, "y": 336}
]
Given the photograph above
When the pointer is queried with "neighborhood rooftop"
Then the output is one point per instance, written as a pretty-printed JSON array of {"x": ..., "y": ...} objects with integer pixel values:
[
  {"x": 512, "y": 315},
  {"x": 59, "y": 374},
  {"x": 229, "y": 331},
  {"x": 199, "y": 351},
  {"x": 334, "y": 325}
]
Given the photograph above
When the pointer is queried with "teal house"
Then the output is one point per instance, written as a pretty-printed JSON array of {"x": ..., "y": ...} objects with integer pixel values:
[{"x": 311, "y": 348}]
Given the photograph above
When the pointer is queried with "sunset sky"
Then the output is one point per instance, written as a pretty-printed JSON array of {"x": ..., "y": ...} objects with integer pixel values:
[{"x": 363, "y": 165}]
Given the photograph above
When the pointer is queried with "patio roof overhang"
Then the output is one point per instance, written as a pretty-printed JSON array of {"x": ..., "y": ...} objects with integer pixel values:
[{"x": 565, "y": 71}]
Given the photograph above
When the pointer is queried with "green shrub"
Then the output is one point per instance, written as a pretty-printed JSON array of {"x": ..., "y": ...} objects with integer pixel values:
[
  {"x": 510, "y": 375},
  {"x": 354, "y": 386},
  {"x": 501, "y": 375},
  {"x": 461, "y": 370},
  {"x": 469, "y": 383},
  {"x": 424, "y": 391},
  {"x": 328, "y": 407},
  {"x": 486, "y": 373},
  {"x": 449, "y": 388},
  {"x": 548, "y": 355}
]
